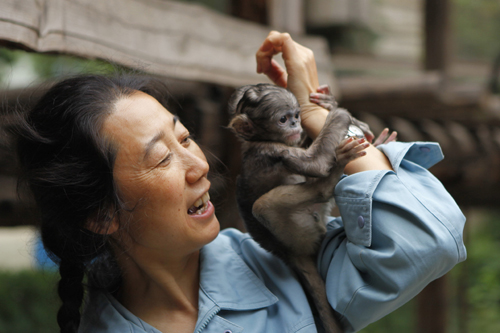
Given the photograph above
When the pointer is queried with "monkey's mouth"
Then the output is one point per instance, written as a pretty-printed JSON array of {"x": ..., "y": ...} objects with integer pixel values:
[
  {"x": 200, "y": 205},
  {"x": 295, "y": 136}
]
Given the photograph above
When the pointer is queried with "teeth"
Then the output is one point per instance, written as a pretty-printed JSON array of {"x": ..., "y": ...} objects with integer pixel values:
[
  {"x": 200, "y": 205},
  {"x": 205, "y": 198}
]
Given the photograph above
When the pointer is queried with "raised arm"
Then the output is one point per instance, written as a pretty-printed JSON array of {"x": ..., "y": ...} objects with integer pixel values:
[{"x": 301, "y": 78}]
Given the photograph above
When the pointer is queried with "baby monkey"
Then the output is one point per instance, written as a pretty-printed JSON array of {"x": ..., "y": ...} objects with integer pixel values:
[{"x": 284, "y": 191}]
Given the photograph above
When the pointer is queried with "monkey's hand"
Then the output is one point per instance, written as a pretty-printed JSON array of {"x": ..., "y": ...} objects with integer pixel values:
[
  {"x": 350, "y": 149},
  {"x": 365, "y": 128},
  {"x": 324, "y": 98}
]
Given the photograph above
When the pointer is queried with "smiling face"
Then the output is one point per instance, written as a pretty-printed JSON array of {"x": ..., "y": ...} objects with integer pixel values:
[{"x": 161, "y": 174}]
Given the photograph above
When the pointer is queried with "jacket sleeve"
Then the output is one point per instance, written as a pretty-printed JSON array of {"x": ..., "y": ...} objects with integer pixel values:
[{"x": 398, "y": 231}]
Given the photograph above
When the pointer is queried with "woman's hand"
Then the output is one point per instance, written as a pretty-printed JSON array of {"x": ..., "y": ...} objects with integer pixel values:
[
  {"x": 383, "y": 139},
  {"x": 300, "y": 76}
]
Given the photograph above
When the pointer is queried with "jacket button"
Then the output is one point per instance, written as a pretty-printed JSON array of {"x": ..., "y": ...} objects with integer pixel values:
[
  {"x": 425, "y": 149},
  {"x": 361, "y": 222}
]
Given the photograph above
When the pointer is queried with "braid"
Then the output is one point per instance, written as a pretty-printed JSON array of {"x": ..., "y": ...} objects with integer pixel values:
[{"x": 70, "y": 290}]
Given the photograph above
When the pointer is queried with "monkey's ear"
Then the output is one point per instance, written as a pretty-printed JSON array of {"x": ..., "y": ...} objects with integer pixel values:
[
  {"x": 242, "y": 126},
  {"x": 235, "y": 99}
]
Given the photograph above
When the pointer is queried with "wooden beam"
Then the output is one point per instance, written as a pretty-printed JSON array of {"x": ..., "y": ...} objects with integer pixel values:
[
  {"x": 250, "y": 10},
  {"x": 168, "y": 38},
  {"x": 432, "y": 308},
  {"x": 437, "y": 34}
]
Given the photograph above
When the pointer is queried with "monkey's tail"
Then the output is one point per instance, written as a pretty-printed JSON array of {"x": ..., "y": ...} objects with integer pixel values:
[{"x": 315, "y": 286}]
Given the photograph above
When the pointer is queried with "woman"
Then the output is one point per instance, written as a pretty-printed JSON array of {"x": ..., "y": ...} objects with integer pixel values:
[{"x": 122, "y": 192}]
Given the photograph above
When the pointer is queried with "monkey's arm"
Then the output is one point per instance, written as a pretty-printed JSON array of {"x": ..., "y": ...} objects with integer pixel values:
[
  {"x": 320, "y": 156},
  {"x": 399, "y": 231},
  {"x": 297, "y": 160}
]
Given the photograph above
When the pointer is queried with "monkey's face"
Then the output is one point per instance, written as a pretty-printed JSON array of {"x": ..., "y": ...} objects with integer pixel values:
[{"x": 287, "y": 126}]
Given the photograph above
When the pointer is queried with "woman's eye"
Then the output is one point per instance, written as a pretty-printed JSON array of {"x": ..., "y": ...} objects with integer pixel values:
[
  {"x": 283, "y": 119},
  {"x": 186, "y": 140},
  {"x": 166, "y": 159}
]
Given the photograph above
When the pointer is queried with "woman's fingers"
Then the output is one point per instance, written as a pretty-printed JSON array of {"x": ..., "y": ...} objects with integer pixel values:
[
  {"x": 383, "y": 139},
  {"x": 272, "y": 45},
  {"x": 392, "y": 137},
  {"x": 300, "y": 75}
]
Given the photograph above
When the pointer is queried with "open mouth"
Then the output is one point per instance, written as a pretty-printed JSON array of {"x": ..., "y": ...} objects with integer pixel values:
[{"x": 200, "y": 206}]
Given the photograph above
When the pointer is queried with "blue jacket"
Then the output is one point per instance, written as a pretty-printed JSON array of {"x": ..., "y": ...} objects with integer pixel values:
[{"x": 399, "y": 231}]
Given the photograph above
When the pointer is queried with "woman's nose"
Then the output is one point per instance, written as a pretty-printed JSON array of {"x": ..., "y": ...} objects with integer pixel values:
[{"x": 197, "y": 167}]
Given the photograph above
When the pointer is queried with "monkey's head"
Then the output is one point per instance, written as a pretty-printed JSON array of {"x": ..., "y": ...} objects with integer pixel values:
[{"x": 265, "y": 112}]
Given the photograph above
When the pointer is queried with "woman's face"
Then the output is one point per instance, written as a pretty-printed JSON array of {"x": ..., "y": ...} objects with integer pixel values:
[{"x": 162, "y": 175}]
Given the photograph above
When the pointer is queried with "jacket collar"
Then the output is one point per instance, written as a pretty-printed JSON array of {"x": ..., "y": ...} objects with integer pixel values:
[{"x": 228, "y": 282}]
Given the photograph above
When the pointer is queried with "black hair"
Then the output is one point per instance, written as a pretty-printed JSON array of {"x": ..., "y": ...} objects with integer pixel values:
[{"x": 67, "y": 165}]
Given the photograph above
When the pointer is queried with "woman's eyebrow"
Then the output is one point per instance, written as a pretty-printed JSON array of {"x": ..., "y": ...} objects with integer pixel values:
[{"x": 160, "y": 135}]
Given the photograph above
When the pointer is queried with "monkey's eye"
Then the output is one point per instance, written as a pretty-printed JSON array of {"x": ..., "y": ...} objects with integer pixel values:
[{"x": 283, "y": 119}]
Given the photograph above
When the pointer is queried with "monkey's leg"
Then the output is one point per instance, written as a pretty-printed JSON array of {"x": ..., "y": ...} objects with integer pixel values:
[{"x": 295, "y": 213}]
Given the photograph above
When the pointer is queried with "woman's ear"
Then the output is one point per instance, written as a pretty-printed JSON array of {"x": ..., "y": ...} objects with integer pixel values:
[{"x": 97, "y": 226}]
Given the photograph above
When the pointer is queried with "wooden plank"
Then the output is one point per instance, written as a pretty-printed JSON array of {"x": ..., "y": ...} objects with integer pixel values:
[
  {"x": 432, "y": 307},
  {"x": 437, "y": 34},
  {"x": 168, "y": 38}
]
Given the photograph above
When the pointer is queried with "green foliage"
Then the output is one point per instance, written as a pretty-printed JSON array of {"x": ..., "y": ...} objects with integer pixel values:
[
  {"x": 49, "y": 66},
  {"x": 476, "y": 26},
  {"x": 7, "y": 56},
  {"x": 29, "y": 302},
  {"x": 401, "y": 320},
  {"x": 484, "y": 275},
  {"x": 46, "y": 66}
]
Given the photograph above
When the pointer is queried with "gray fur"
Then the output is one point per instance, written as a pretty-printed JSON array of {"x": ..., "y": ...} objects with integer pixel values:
[{"x": 284, "y": 191}]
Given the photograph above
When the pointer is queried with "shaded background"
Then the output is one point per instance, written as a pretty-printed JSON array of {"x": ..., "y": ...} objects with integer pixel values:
[{"x": 426, "y": 68}]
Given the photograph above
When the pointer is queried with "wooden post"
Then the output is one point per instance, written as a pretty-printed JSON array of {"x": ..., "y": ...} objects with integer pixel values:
[
  {"x": 432, "y": 314},
  {"x": 437, "y": 34},
  {"x": 463, "y": 285},
  {"x": 432, "y": 309},
  {"x": 250, "y": 10}
]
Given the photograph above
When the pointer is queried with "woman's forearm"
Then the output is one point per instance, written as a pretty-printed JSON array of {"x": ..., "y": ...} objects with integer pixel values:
[{"x": 373, "y": 160}]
